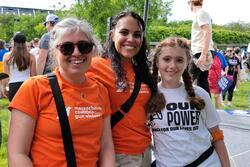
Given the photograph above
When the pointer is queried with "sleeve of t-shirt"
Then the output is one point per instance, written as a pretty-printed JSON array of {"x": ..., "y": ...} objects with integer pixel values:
[
  {"x": 222, "y": 60},
  {"x": 203, "y": 18},
  {"x": 211, "y": 117},
  {"x": 25, "y": 99},
  {"x": 44, "y": 42}
]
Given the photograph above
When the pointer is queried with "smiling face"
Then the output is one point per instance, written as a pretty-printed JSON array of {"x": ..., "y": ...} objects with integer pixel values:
[
  {"x": 230, "y": 51},
  {"x": 74, "y": 65},
  {"x": 127, "y": 37},
  {"x": 171, "y": 62}
]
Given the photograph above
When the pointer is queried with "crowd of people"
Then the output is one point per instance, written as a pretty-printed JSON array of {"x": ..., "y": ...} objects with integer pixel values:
[{"x": 119, "y": 104}]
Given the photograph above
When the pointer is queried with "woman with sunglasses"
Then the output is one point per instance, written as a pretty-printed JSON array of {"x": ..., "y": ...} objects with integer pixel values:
[
  {"x": 34, "y": 120},
  {"x": 232, "y": 72},
  {"x": 124, "y": 60}
]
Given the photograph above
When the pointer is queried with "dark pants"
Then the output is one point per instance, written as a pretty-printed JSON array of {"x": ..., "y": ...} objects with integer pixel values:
[
  {"x": 200, "y": 76},
  {"x": 153, "y": 164},
  {"x": 13, "y": 88},
  {"x": 230, "y": 91}
]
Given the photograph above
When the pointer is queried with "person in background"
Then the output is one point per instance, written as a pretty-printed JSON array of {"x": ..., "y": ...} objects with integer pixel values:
[
  {"x": 43, "y": 60},
  {"x": 234, "y": 71},
  {"x": 34, "y": 121},
  {"x": 35, "y": 50},
  {"x": 187, "y": 125},
  {"x": 29, "y": 45},
  {"x": 246, "y": 67},
  {"x": 215, "y": 72},
  {"x": 201, "y": 44},
  {"x": 237, "y": 52},
  {"x": 19, "y": 64},
  {"x": 3, "y": 50},
  {"x": 124, "y": 60}
]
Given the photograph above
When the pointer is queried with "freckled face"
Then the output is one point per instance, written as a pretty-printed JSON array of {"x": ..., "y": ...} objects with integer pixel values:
[
  {"x": 127, "y": 37},
  {"x": 171, "y": 63}
]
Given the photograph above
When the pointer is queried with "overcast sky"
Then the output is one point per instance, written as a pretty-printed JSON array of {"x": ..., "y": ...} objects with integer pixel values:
[
  {"x": 221, "y": 11},
  {"x": 40, "y": 4}
]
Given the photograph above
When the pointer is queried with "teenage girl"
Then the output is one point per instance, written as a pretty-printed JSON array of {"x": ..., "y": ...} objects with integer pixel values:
[{"x": 187, "y": 125}]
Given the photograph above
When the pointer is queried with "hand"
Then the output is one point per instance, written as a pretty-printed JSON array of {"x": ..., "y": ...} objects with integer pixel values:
[
  {"x": 223, "y": 73},
  {"x": 204, "y": 62}
]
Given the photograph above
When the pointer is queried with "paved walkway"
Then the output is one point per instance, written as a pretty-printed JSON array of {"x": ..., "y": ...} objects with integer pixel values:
[{"x": 236, "y": 126}]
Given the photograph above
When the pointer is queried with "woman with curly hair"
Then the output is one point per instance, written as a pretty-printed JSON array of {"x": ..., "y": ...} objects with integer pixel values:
[{"x": 123, "y": 62}]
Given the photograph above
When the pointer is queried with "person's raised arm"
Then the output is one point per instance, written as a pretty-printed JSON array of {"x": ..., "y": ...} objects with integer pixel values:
[
  {"x": 20, "y": 138},
  {"x": 107, "y": 154},
  {"x": 207, "y": 35},
  {"x": 220, "y": 146}
]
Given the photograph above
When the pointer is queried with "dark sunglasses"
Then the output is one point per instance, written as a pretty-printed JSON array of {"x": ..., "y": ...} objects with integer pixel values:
[
  {"x": 67, "y": 48},
  {"x": 229, "y": 50}
]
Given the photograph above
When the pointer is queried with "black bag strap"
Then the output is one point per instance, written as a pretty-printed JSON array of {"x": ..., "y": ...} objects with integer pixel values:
[
  {"x": 119, "y": 114},
  {"x": 63, "y": 119},
  {"x": 201, "y": 158},
  {"x": 198, "y": 161}
]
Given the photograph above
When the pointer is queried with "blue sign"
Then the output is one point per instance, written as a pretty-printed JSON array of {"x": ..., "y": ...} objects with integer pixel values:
[{"x": 239, "y": 112}]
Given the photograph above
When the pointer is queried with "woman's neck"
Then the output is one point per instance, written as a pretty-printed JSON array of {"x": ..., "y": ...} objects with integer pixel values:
[
  {"x": 168, "y": 85},
  {"x": 73, "y": 79}
]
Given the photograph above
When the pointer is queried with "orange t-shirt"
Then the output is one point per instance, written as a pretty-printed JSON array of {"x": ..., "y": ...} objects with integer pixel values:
[
  {"x": 87, "y": 105},
  {"x": 130, "y": 135}
]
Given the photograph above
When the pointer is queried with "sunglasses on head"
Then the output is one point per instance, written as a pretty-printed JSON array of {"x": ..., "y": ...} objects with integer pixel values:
[{"x": 67, "y": 48}]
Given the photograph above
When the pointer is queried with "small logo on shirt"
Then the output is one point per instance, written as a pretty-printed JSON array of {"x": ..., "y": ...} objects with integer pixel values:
[{"x": 84, "y": 112}]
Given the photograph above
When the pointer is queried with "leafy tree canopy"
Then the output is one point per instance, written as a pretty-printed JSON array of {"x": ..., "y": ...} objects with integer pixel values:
[{"x": 96, "y": 12}]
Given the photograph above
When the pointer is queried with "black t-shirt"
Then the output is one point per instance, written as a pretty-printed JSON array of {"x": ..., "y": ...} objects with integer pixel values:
[{"x": 233, "y": 62}]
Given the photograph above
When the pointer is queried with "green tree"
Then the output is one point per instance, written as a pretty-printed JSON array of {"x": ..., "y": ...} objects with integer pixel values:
[
  {"x": 31, "y": 26},
  {"x": 6, "y": 26},
  {"x": 97, "y": 12},
  {"x": 238, "y": 26}
]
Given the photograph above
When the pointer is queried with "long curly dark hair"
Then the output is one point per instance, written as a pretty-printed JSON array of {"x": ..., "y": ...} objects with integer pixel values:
[
  {"x": 156, "y": 105},
  {"x": 140, "y": 60}
]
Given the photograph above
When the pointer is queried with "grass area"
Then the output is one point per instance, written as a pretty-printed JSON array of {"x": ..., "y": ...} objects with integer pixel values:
[
  {"x": 4, "y": 122},
  {"x": 240, "y": 100}
]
